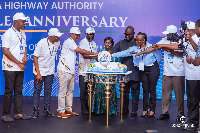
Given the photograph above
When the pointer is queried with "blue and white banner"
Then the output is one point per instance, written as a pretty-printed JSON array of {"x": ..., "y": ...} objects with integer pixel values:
[{"x": 109, "y": 18}]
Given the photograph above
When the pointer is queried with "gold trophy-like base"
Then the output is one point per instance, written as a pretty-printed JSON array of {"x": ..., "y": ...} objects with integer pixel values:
[{"x": 107, "y": 79}]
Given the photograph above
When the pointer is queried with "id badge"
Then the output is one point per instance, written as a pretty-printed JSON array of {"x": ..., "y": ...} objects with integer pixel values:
[
  {"x": 21, "y": 49},
  {"x": 141, "y": 66},
  {"x": 170, "y": 58}
]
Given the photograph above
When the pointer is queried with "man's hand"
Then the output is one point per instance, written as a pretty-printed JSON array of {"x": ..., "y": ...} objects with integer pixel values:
[
  {"x": 24, "y": 60},
  {"x": 189, "y": 60},
  {"x": 132, "y": 52},
  {"x": 137, "y": 54},
  {"x": 96, "y": 54},
  {"x": 22, "y": 66},
  {"x": 154, "y": 46},
  {"x": 38, "y": 78},
  {"x": 159, "y": 46}
]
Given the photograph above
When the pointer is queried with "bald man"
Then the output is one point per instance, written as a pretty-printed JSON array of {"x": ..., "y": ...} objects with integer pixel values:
[{"x": 134, "y": 82}]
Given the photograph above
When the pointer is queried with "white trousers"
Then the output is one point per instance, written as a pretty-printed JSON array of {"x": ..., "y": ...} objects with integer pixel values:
[{"x": 65, "y": 94}]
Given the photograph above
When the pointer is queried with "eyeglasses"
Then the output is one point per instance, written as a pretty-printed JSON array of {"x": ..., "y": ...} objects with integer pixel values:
[
  {"x": 128, "y": 34},
  {"x": 107, "y": 43}
]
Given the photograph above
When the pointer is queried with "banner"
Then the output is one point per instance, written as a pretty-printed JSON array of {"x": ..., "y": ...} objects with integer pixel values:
[{"x": 108, "y": 17}]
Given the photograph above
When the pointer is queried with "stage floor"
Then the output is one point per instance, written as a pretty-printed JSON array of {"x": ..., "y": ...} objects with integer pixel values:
[{"x": 81, "y": 124}]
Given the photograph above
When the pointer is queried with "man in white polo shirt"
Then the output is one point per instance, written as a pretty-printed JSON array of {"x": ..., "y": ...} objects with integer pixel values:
[
  {"x": 84, "y": 60},
  {"x": 173, "y": 76},
  {"x": 66, "y": 73},
  {"x": 191, "y": 75},
  {"x": 43, "y": 69},
  {"x": 13, "y": 64}
]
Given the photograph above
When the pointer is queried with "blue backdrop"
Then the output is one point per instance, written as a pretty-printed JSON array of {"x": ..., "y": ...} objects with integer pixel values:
[{"x": 108, "y": 17}]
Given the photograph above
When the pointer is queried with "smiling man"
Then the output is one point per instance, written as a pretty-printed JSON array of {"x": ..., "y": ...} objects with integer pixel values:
[
  {"x": 134, "y": 83},
  {"x": 84, "y": 60},
  {"x": 66, "y": 73},
  {"x": 14, "y": 59},
  {"x": 44, "y": 68}
]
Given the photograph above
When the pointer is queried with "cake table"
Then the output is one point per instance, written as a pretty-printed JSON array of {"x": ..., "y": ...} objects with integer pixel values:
[{"x": 107, "y": 79}]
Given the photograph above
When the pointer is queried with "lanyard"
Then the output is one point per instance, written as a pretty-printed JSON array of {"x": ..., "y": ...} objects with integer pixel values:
[
  {"x": 20, "y": 39},
  {"x": 90, "y": 46},
  {"x": 50, "y": 51}
]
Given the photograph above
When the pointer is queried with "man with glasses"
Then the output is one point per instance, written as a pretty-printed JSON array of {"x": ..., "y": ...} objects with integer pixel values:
[
  {"x": 84, "y": 60},
  {"x": 44, "y": 68},
  {"x": 66, "y": 73},
  {"x": 134, "y": 82}
]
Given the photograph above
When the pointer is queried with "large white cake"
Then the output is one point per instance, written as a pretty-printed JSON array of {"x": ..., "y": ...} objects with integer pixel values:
[{"x": 104, "y": 64}]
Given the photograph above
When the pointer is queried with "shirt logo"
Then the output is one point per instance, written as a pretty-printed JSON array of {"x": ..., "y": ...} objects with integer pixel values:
[{"x": 64, "y": 63}]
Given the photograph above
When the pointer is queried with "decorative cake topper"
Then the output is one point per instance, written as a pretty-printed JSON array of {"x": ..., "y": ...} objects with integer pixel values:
[{"x": 104, "y": 58}]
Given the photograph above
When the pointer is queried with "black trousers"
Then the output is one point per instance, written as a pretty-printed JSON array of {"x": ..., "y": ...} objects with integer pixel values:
[
  {"x": 149, "y": 78},
  {"x": 193, "y": 97},
  {"x": 83, "y": 93},
  {"x": 13, "y": 80},
  {"x": 135, "y": 91}
]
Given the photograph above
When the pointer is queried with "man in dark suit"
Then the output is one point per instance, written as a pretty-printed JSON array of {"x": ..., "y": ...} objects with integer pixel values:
[{"x": 134, "y": 82}]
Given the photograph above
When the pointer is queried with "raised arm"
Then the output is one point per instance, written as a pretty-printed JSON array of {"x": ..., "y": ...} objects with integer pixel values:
[
  {"x": 150, "y": 49},
  {"x": 172, "y": 46},
  {"x": 83, "y": 51},
  {"x": 124, "y": 53},
  {"x": 89, "y": 57},
  {"x": 193, "y": 39}
]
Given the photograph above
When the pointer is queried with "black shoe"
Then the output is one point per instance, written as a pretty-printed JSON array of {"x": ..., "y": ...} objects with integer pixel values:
[
  {"x": 48, "y": 113},
  {"x": 163, "y": 116},
  {"x": 126, "y": 112},
  {"x": 35, "y": 112},
  {"x": 22, "y": 117},
  {"x": 150, "y": 116},
  {"x": 133, "y": 113},
  {"x": 85, "y": 112}
]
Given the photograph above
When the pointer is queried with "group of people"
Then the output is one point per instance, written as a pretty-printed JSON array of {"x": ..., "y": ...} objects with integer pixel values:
[{"x": 137, "y": 54}]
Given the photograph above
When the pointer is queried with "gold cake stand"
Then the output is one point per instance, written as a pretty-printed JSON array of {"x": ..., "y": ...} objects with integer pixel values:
[{"x": 107, "y": 79}]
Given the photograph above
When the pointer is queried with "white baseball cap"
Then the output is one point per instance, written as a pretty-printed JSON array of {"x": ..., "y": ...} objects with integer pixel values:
[
  {"x": 170, "y": 29},
  {"x": 75, "y": 30},
  {"x": 20, "y": 15},
  {"x": 90, "y": 30},
  {"x": 190, "y": 25},
  {"x": 54, "y": 32}
]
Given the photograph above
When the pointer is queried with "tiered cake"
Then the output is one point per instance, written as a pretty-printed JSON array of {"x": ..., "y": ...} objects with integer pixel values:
[{"x": 104, "y": 64}]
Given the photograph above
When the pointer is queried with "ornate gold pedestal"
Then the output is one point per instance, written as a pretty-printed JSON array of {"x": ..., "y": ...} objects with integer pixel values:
[{"x": 107, "y": 79}]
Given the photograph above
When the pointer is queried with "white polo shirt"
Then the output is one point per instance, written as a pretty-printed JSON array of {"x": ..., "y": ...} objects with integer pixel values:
[
  {"x": 83, "y": 63},
  {"x": 191, "y": 71},
  {"x": 173, "y": 65},
  {"x": 46, "y": 51},
  {"x": 67, "y": 59},
  {"x": 16, "y": 42}
]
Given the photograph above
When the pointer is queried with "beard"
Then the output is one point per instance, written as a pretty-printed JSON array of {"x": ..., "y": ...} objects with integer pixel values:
[{"x": 89, "y": 39}]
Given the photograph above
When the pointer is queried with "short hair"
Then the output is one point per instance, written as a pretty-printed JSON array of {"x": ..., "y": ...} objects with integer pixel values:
[
  {"x": 198, "y": 22},
  {"x": 143, "y": 35},
  {"x": 109, "y": 38}
]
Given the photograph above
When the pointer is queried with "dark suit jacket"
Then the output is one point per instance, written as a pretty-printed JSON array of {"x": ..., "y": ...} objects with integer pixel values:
[{"x": 128, "y": 61}]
